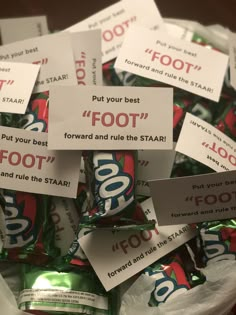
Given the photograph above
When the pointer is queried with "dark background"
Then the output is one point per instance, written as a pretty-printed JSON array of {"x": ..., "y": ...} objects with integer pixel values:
[{"x": 62, "y": 14}]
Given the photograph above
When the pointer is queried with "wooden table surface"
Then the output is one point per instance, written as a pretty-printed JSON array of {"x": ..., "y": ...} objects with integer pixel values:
[{"x": 62, "y": 14}]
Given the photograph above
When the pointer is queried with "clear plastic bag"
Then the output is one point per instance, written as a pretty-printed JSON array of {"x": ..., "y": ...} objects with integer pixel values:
[{"x": 216, "y": 296}]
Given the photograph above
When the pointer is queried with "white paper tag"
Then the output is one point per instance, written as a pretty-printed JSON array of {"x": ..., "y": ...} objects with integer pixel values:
[
  {"x": 148, "y": 209},
  {"x": 195, "y": 198},
  {"x": 206, "y": 144},
  {"x": 87, "y": 54},
  {"x": 16, "y": 29},
  {"x": 27, "y": 165},
  {"x": 115, "y": 20},
  {"x": 118, "y": 256},
  {"x": 153, "y": 164},
  {"x": 16, "y": 84},
  {"x": 232, "y": 58},
  {"x": 110, "y": 118},
  {"x": 54, "y": 54},
  {"x": 173, "y": 61}
]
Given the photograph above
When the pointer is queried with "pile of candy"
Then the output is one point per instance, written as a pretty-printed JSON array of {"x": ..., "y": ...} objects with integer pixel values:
[{"x": 41, "y": 257}]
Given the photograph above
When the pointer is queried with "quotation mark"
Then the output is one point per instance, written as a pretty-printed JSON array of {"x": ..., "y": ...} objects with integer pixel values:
[
  {"x": 149, "y": 51},
  {"x": 50, "y": 159},
  {"x": 206, "y": 145},
  {"x": 115, "y": 247},
  {"x": 197, "y": 68},
  {"x": 144, "y": 116},
  {"x": 143, "y": 162},
  {"x": 10, "y": 82},
  {"x": 189, "y": 198},
  {"x": 44, "y": 61},
  {"x": 83, "y": 55},
  {"x": 86, "y": 113}
]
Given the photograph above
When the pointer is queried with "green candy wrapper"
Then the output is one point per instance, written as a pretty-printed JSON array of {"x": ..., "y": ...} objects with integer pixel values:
[
  {"x": 226, "y": 121},
  {"x": 174, "y": 274},
  {"x": 218, "y": 240},
  {"x": 29, "y": 232},
  {"x": 8, "y": 120},
  {"x": 110, "y": 177},
  {"x": 75, "y": 255},
  {"x": 72, "y": 292},
  {"x": 113, "y": 77},
  {"x": 36, "y": 116}
]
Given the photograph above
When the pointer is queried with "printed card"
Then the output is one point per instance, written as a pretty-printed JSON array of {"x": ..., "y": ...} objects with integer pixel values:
[
  {"x": 206, "y": 144},
  {"x": 115, "y": 20},
  {"x": 232, "y": 60},
  {"x": 125, "y": 253},
  {"x": 87, "y": 55},
  {"x": 148, "y": 209},
  {"x": 17, "y": 81},
  {"x": 180, "y": 63},
  {"x": 110, "y": 118},
  {"x": 27, "y": 165},
  {"x": 194, "y": 198},
  {"x": 15, "y": 29},
  {"x": 52, "y": 52},
  {"x": 153, "y": 164}
]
